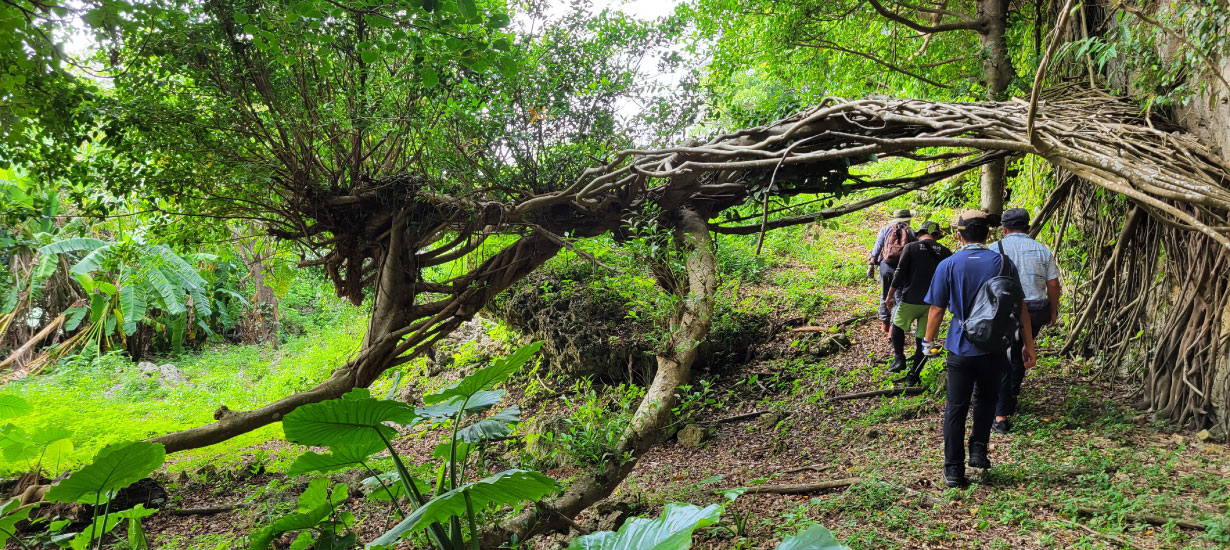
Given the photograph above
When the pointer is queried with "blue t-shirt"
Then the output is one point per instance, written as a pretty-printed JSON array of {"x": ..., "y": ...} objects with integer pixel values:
[{"x": 956, "y": 282}]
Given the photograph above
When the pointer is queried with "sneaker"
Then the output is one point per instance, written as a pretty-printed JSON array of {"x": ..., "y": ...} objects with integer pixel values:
[
  {"x": 954, "y": 477},
  {"x": 898, "y": 364},
  {"x": 1002, "y": 427}
]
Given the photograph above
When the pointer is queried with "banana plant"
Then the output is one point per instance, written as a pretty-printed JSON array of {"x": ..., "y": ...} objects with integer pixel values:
[
  {"x": 357, "y": 426},
  {"x": 131, "y": 282}
]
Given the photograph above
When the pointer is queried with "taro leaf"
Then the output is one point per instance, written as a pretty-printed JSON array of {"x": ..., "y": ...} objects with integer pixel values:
[
  {"x": 13, "y": 406},
  {"x": 507, "y": 487},
  {"x": 815, "y": 537},
  {"x": 479, "y": 402},
  {"x": 672, "y": 531},
  {"x": 113, "y": 468},
  {"x": 492, "y": 427},
  {"x": 339, "y": 457},
  {"x": 314, "y": 506},
  {"x": 56, "y": 453},
  {"x": 51, "y": 434},
  {"x": 351, "y": 420},
  {"x": 486, "y": 377},
  {"x": 444, "y": 450},
  {"x": 11, "y": 513},
  {"x": 15, "y": 444}
]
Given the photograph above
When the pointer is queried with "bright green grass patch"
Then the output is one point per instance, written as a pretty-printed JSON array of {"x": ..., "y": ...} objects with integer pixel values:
[{"x": 110, "y": 401}]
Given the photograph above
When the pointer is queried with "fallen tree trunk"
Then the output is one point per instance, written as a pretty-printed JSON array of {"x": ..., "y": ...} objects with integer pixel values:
[{"x": 800, "y": 488}]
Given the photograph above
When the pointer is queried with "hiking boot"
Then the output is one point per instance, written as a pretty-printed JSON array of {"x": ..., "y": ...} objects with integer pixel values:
[
  {"x": 954, "y": 477},
  {"x": 978, "y": 457},
  {"x": 898, "y": 364},
  {"x": 909, "y": 380},
  {"x": 1002, "y": 426}
]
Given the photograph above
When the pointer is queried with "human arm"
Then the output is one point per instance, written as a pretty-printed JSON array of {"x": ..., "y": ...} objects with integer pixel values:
[
  {"x": 874, "y": 257},
  {"x": 934, "y": 317},
  {"x": 1053, "y": 292},
  {"x": 1028, "y": 354}
]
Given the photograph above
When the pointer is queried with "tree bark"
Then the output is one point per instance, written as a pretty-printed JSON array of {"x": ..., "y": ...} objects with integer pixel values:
[
  {"x": 649, "y": 423},
  {"x": 997, "y": 73}
]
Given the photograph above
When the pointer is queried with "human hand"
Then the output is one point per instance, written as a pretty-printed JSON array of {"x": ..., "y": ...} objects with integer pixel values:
[
  {"x": 1054, "y": 317},
  {"x": 1028, "y": 356},
  {"x": 931, "y": 349},
  {"x": 871, "y": 271}
]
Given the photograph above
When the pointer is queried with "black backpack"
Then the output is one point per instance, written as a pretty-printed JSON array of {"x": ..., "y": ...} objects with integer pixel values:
[{"x": 995, "y": 315}]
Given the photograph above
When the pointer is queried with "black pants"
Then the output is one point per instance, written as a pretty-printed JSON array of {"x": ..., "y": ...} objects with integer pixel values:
[
  {"x": 1010, "y": 388},
  {"x": 886, "y": 280},
  {"x": 980, "y": 377}
]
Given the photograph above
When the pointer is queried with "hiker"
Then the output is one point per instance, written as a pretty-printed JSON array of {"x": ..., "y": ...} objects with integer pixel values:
[
  {"x": 981, "y": 288},
  {"x": 909, "y": 286},
  {"x": 887, "y": 251},
  {"x": 1040, "y": 281}
]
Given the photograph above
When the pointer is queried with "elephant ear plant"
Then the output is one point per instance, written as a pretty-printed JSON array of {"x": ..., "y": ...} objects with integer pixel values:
[
  {"x": 113, "y": 468},
  {"x": 357, "y": 426}
]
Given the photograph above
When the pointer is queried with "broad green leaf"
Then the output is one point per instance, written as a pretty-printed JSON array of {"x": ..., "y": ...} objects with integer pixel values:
[
  {"x": 171, "y": 301},
  {"x": 10, "y": 514},
  {"x": 13, "y": 406},
  {"x": 75, "y": 316},
  {"x": 507, "y": 487},
  {"x": 136, "y": 512},
  {"x": 499, "y": 20},
  {"x": 98, "y": 306},
  {"x": 492, "y": 427},
  {"x": 200, "y": 302},
  {"x": 91, "y": 262},
  {"x": 339, "y": 457},
  {"x": 467, "y": 9},
  {"x": 391, "y": 488},
  {"x": 132, "y": 307},
  {"x": 15, "y": 443},
  {"x": 72, "y": 245},
  {"x": 180, "y": 271},
  {"x": 57, "y": 453},
  {"x": 113, "y": 468},
  {"x": 486, "y": 377},
  {"x": 49, "y": 435},
  {"x": 370, "y": 56},
  {"x": 815, "y": 537},
  {"x": 480, "y": 402},
  {"x": 339, "y": 422},
  {"x": 429, "y": 77},
  {"x": 241, "y": 18},
  {"x": 671, "y": 531}
]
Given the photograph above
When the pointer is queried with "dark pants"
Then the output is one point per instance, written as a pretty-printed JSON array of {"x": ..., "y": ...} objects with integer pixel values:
[
  {"x": 1039, "y": 316},
  {"x": 980, "y": 377},
  {"x": 886, "y": 280}
]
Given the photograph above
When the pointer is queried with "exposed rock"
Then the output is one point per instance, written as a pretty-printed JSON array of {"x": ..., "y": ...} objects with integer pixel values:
[
  {"x": 691, "y": 436},
  {"x": 828, "y": 344},
  {"x": 166, "y": 374},
  {"x": 1204, "y": 435},
  {"x": 769, "y": 420}
]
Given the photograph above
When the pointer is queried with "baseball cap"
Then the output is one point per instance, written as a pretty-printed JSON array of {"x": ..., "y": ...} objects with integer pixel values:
[
  {"x": 929, "y": 228},
  {"x": 1015, "y": 218},
  {"x": 972, "y": 218}
]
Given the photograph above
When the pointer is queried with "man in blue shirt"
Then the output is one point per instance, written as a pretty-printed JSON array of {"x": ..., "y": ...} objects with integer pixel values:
[
  {"x": 972, "y": 371},
  {"x": 1040, "y": 281},
  {"x": 878, "y": 259}
]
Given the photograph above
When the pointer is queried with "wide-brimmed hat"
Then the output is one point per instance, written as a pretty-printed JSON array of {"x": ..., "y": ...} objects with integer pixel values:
[{"x": 902, "y": 215}]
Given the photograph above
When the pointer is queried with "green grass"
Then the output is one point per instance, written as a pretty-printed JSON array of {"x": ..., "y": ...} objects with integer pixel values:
[{"x": 109, "y": 401}]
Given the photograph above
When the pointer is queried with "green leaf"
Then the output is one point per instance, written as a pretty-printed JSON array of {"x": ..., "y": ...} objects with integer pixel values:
[
  {"x": 340, "y": 457},
  {"x": 171, "y": 301},
  {"x": 392, "y": 487},
  {"x": 75, "y": 316},
  {"x": 672, "y": 531},
  {"x": 72, "y": 245},
  {"x": 315, "y": 504},
  {"x": 113, "y": 468},
  {"x": 57, "y": 453},
  {"x": 507, "y": 487},
  {"x": 492, "y": 427},
  {"x": 499, "y": 20},
  {"x": 479, "y": 402},
  {"x": 132, "y": 307},
  {"x": 12, "y": 406},
  {"x": 486, "y": 377},
  {"x": 98, "y": 306},
  {"x": 467, "y": 9},
  {"x": 10, "y": 514},
  {"x": 346, "y": 421},
  {"x": 91, "y": 262},
  {"x": 429, "y": 77},
  {"x": 369, "y": 56},
  {"x": 241, "y": 18},
  {"x": 815, "y": 537}
]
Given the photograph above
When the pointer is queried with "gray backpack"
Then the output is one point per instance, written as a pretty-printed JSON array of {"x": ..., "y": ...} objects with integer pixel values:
[{"x": 995, "y": 315}]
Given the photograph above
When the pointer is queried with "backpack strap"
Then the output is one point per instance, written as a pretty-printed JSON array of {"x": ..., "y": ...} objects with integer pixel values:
[{"x": 1003, "y": 260}]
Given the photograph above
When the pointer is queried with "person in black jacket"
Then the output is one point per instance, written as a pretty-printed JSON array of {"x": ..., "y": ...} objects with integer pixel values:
[{"x": 909, "y": 286}]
